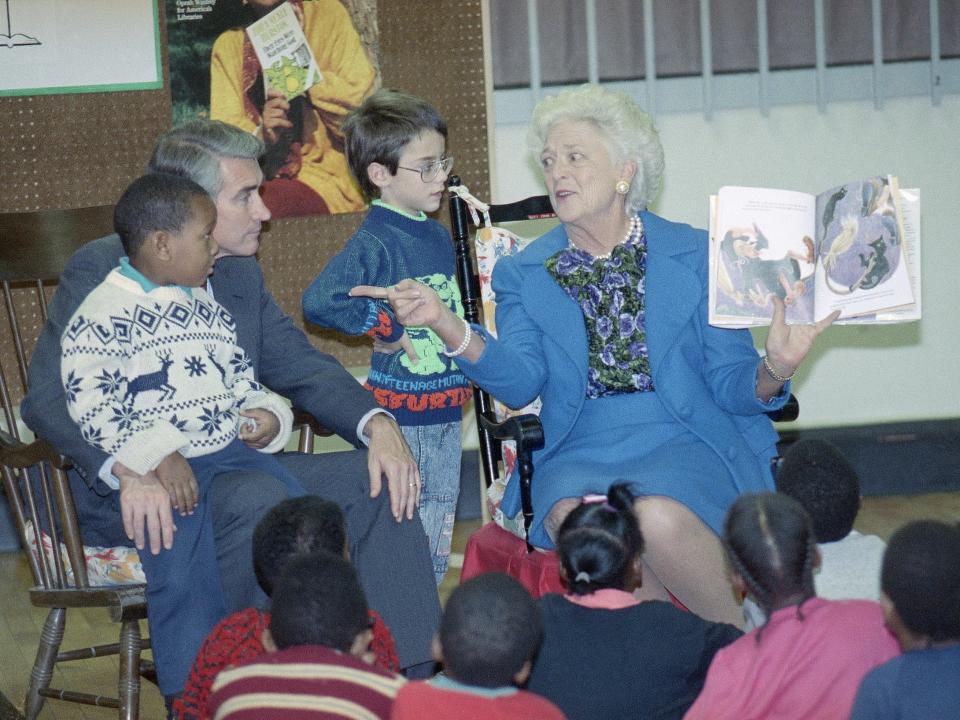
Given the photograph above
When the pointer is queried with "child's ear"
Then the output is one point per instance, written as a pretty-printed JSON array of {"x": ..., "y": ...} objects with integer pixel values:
[
  {"x": 157, "y": 244},
  {"x": 436, "y": 649},
  {"x": 521, "y": 675},
  {"x": 379, "y": 174},
  {"x": 738, "y": 583},
  {"x": 817, "y": 559},
  {"x": 361, "y": 643},
  {"x": 266, "y": 637}
]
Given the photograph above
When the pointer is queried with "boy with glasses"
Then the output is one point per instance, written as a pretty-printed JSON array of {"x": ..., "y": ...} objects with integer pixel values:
[{"x": 396, "y": 150}]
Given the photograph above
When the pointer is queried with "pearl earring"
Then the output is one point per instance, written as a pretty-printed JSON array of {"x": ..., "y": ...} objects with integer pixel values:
[{"x": 622, "y": 187}]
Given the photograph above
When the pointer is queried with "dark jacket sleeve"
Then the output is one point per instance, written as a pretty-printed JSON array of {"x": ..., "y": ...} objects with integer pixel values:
[
  {"x": 44, "y": 409},
  {"x": 289, "y": 365}
]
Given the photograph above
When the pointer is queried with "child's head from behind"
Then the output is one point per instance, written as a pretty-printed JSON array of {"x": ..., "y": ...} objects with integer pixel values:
[
  {"x": 770, "y": 545},
  {"x": 489, "y": 632},
  {"x": 318, "y": 601},
  {"x": 600, "y": 543},
  {"x": 920, "y": 581},
  {"x": 819, "y": 477},
  {"x": 395, "y": 145},
  {"x": 165, "y": 223},
  {"x": 294, "y": 526}
]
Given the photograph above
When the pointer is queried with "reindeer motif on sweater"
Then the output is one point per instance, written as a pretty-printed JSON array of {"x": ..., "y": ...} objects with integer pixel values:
[{"x": 150, "y": 373}]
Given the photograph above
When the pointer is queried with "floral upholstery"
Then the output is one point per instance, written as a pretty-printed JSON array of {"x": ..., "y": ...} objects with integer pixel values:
[
  {"x": 493, "y": 243},
  {"x": 105, "y": 565}
]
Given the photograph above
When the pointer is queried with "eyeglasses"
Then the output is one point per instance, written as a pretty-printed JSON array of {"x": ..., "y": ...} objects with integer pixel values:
[{"x": 429, "y": 171}]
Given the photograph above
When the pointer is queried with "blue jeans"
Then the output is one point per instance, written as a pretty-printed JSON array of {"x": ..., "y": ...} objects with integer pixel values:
[{"x": 437, "y": 450}]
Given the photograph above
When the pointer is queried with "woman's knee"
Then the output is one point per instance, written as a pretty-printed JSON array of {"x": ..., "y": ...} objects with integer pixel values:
[{"x": 664, "y": 520}]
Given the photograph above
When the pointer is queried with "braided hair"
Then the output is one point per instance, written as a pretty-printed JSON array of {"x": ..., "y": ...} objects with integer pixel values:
[
  {"x": 599, "y": 541},
  {"x": 770, "y": 543}
]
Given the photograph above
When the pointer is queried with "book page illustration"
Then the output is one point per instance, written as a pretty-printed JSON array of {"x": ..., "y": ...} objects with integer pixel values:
[
  {"x": 764, "y": 249},
  {"x": 860, "y": 249}
]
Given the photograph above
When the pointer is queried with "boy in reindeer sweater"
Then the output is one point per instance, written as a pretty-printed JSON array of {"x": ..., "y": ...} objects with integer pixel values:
[{"x": 154, "y": 377}]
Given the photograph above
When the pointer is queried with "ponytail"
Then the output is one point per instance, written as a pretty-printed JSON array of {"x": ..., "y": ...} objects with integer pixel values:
[{"x": 599, "y": 541}]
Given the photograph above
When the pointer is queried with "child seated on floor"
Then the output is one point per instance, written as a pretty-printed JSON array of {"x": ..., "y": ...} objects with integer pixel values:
[
  {"x": 317, "y": 660},
  {"x": 822, "y": 480},
  {"x": 154, "y": 378},
  {"x": 921, "y": 601},
  {"x": 808, "y": 658},
  {"x": 817, "y": 475},
  {"x": 488, "y": 636},
  {"x": 605, "y": 654},
  {"x": 298, "y": 525}
]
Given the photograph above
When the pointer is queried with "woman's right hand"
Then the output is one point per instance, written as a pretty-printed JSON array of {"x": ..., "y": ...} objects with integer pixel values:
[
  {"x": 274, "y": 116},
  {"x": 412, "y": 302},
  {"x": 417, "y": 305}
]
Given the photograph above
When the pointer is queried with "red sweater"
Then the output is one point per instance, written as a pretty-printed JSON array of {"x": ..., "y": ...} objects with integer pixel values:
[{"x": 236, "y": 639}]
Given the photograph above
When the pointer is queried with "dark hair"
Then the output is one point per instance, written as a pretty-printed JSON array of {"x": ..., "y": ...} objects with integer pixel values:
[
  {"x": 921, "y": 576},
  {"x": 296, "y": 525},
  {"x": 151, "y": 203},
  {"x": 770, "y": 544},
  {"x": 378, "y": 130},
  {"x": 195, "y": 148},
  {"x": 599, "y": 541},
  {"x": 819, "y": 477},
  {"x": 490, "y": 628},
  {"x": 318, "y": 601}
]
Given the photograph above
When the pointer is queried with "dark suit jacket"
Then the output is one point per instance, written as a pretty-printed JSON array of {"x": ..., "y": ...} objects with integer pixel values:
[{"x": 283, "y": 358}]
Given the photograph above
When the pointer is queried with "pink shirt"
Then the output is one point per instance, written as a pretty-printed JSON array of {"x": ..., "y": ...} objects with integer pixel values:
[
  {"x": 605, "y": 599},
  {"x": 809, "y": 668}
]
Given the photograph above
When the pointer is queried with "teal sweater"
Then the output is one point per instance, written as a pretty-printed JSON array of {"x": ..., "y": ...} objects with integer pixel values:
[{"x": 388, "y": 247}]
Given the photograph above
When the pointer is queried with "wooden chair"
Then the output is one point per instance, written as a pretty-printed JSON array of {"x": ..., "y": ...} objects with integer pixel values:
[
  {"x": 502, "y": 544},
  {"x": 33, "y": 250}
]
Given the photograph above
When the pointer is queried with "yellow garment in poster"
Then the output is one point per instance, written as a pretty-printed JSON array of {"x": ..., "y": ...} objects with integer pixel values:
[{"x": 348, "y": 78}]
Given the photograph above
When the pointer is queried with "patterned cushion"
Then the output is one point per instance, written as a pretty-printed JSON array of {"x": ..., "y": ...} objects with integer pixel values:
[
  {"x": 493, "y": 243},
  {"x": 105, "y": 565}
]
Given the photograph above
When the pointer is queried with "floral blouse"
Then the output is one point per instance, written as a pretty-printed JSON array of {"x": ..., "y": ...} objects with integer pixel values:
[{"x": 610, "y": 293}]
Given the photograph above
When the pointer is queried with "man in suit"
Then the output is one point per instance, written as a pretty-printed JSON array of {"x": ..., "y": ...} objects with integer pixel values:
[{"x": 117, "y": 506}]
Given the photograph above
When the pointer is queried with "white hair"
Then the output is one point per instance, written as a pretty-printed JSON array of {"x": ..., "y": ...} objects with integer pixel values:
[{"x": 627, "y": 130}]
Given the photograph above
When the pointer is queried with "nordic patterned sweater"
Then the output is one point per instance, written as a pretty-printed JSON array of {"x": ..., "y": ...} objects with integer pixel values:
[
  {"x": 389, "y": 246},
  {"x": 150, "y": 372}
]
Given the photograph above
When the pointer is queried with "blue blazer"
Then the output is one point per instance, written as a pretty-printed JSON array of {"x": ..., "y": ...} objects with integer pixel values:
[{"x": 704, "y": 376}]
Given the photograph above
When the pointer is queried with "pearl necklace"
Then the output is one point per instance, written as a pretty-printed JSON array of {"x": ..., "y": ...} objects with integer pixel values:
[{"x": 634, "y": 232}]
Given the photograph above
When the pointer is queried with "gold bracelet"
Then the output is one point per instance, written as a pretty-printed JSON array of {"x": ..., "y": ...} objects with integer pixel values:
[{"x": 774, "y": 374}]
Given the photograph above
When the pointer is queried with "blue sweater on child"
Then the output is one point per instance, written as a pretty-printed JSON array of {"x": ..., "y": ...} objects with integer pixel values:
[{"x": 389, "y": 246}]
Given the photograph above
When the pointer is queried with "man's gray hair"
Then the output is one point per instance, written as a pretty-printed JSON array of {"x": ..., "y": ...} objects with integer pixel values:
[
  {"x": 627, "y": 131},
  {"x": 195, "y": 148}
]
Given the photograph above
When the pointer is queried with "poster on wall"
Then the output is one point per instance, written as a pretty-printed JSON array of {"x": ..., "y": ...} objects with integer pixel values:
[
  {"x": 287, "y": 71},
  {"x": 63, "y": 46}
]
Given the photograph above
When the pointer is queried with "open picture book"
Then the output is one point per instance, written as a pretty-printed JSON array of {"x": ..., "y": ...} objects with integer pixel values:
[
  {"x": 853, "y": 248},
  {"x": 288, "y": 63}
]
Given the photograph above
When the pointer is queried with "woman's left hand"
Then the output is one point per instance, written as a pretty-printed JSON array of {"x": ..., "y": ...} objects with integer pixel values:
[{"x": 788, "y": 345}]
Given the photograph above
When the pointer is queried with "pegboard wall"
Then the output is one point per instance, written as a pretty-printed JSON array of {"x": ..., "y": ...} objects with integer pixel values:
[{"x": 66, "y": 151}]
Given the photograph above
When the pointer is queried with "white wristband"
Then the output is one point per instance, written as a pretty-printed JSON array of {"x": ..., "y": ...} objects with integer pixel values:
[{"x": 467, "y": 336}]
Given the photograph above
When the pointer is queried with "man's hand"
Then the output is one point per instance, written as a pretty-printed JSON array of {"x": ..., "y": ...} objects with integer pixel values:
[
  {"x": 145, "y": 508},
  {"x": 389, "y": 457},
  {"x": 177, "y": 478},
  {"x": 261, "y": 432}
]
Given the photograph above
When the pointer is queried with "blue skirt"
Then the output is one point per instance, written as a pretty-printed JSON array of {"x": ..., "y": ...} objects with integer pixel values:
[{"x": 632, "y": 438}]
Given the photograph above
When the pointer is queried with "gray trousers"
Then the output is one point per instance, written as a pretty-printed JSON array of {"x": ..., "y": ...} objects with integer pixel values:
[{"x": 392, "y": 559}]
